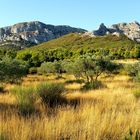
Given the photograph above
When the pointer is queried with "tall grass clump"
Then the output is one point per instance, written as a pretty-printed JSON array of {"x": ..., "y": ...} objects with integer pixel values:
[
  {"x": 78, "y": 81},
  {"x": 1, "y": 88},
  {"x": 137, "y": 93},
  {"x": 93, "y": 85},
  {"x": 26, "y": 98},
  {"x": 3, "y": 136},
  {"x": 51, "y": 94},
  {"x": 133, "y": 135}
]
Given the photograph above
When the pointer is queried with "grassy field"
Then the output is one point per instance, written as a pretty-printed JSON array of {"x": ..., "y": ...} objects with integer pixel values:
[{"x": 103, "y": 114}]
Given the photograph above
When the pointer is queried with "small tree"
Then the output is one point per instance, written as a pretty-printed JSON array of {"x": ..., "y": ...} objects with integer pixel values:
[
  {"x": 90, "y": 67},
  {"x": 12, "y": 70},
  {"x": 72, "y": 67}
]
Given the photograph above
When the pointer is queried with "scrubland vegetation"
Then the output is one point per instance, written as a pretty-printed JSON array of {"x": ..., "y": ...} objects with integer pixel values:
[
  {"x": 47, "y": 106},
  {"x": 71, "y": 88}
]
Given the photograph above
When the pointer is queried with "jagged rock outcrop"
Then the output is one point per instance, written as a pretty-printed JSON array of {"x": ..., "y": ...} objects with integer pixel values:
[
  {"x": 131, "y": 30},
  {"x": 103, "y": 30},
  {"x": 35, "y": 32}
]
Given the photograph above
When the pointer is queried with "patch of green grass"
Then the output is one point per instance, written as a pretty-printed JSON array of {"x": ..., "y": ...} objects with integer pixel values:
[
  {"x": 26, "y": 98},
  {"x": 3, "y": 136},
  {"x": 133, "y": 135},
  {"x": 137, "y": 93}
]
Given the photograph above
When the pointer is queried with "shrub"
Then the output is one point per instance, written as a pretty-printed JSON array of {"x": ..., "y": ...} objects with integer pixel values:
[
  {"x": 1, "y": 88},
  {"x": 33, "y": 70},
  {"x": 93, "y": 85},
  {"x": 51, "y": 68},
  {"x": 90, "y": 68},
  {"x": 79, "y": 81},
  {"x": 134, "y": 71},
  {"x": 137, "y": 93},
  {"x": 26, "y": 99},
  {"x": 12, "y": 70},
  {"x": 51, "y": 94}
]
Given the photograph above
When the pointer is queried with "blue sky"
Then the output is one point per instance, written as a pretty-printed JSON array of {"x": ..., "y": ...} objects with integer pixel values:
[{"x": 87, "y": 14}]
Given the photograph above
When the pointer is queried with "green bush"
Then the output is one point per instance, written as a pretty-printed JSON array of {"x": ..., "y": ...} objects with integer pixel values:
[
  {"x": 137, "y": 93},
  {"x": 51, "y": 68},
  {"x": 1, "y": 88},
  {"x": 26, "y": 99},
  {"x": 90, "y": 68},
  {"x": 93, "y": 85},
  {"x": 33, "y": 70},
  {"x": 12, "y": 70},
  {"x": 134, "y": 71},
  {"x": 51, "y": 94},
  {"x": 79, "y": 81}
]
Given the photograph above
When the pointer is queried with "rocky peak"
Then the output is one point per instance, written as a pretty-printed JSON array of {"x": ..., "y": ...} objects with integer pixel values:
[
  {"x": 131, "y": 30},
  {"x": 35, "y": 32},
  {"x": 102, "y": 26},
  {"x": 136, "y": 22},
  {"x": 101, "y": 31},
  {"x": 27, "y": 26}
]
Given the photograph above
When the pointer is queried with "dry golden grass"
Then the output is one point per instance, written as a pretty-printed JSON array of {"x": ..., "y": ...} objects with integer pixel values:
[
  {"x": 127, "y": 61},
  {"x": 104, "y": 114}
]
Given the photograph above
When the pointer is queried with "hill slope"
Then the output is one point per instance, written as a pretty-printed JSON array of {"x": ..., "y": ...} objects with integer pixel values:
[
  {"x": 73, "y": 45},
  {"x": 78, "y": 41}
]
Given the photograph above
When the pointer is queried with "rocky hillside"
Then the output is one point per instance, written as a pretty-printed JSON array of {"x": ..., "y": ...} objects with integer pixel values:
[
  {"x": 28, "y": 34},
  {"x": 131, "y": 30},
  {"x": 35, "y": 32}
]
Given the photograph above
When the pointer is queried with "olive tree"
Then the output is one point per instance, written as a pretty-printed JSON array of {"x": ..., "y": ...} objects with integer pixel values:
[{"x": 90, "y": 67}]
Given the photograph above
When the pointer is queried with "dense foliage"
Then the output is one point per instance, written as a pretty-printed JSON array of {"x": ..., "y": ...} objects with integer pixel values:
[
  {"x": 133, "y": 71},
  {"x": 90, "y": 67},
  {"x": 51, "y": 67},
  {"x": 12, "y": 70},
  {"x": 87, "y": 68},
  {"x": 7, "y": 52},
  {"x": 73, "y": 45}
]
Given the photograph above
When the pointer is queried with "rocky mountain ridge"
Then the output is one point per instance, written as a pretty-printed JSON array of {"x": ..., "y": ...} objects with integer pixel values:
[
  {"x": 35, "y": 32},
  {"x": 131, "y": 30},
  {"x": 27, "y": 34}
]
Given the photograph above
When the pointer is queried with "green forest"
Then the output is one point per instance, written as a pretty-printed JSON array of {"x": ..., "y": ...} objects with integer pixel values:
[{"x": 74, "y": 45}]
